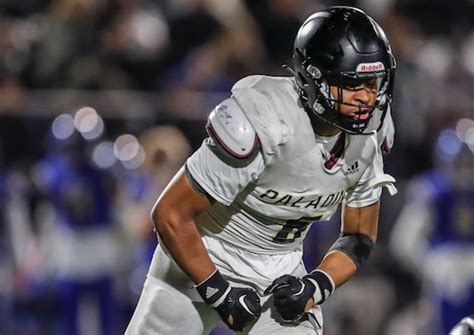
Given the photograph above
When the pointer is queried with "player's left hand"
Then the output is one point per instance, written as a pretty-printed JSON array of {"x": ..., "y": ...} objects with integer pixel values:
[{"x": 292, "y": 297}]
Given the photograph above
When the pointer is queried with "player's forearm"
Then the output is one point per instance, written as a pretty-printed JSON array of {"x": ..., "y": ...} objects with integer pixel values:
[
  {"x": 355, "y": 244},
  {"x": 183, "y": 241},
  {"x": 339, "y": 266}
]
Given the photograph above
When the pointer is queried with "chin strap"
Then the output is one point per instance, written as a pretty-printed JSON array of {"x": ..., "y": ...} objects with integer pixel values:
[{"x": 289, "y": 70}]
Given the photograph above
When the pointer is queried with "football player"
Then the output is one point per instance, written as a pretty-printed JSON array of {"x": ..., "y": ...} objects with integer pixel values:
[
  {"x": 434, "y": 233},
  {"x": 282, "y": 152}
]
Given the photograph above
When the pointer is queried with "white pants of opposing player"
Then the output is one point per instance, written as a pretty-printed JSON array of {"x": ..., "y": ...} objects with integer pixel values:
[{"x": 169, "y": 304}]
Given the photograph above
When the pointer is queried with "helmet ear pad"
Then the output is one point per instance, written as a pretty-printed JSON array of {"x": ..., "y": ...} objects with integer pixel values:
[
  {"x": 312, "y": 87},
  {"x": 315, "y": 94},
  {"x": 338, "y": 43}
]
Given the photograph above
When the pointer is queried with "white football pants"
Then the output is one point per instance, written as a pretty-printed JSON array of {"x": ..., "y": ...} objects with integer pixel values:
[{"x": 169, "y": 304}]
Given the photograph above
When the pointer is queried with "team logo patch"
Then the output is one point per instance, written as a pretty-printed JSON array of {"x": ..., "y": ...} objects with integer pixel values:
[{"x": 370, "y": 67}]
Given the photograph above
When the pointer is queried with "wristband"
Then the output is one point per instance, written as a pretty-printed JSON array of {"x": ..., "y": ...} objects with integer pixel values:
[
  {"x": 324, "y": 285},
  {"x": 214, "y": 289}
]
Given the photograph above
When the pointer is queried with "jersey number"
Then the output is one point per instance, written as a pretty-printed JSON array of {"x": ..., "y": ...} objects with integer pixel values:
[{"x": 293, "y": 229}]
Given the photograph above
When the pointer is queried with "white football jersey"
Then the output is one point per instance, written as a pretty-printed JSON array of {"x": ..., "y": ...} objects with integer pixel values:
[{"x": 266, "y": 204}]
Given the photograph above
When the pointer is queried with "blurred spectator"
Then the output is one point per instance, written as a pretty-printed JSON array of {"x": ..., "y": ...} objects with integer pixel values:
[
  {"x": 193, "y": 15},
  {"x": 166, "y": 148},
  {"x": 82, "y": 243},
  {"x": 279, "y": 21},
  {"x": 211, "y": 70},
  {"x": 134, "y": 45},
  {"x": 65, "y": 56},
  {"x": 434, "y": 234}
]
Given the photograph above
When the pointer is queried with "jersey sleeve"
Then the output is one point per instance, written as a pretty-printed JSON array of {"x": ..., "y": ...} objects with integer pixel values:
[
  {"x": 368, "y": 189},
  {"x": 218, "y": 177}
]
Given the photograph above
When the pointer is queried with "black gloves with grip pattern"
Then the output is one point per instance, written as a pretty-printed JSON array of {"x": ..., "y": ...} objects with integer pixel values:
[
  {"x": 243, "y": 304},
  {"x": 237, "y": 307},
  {"x": 291, "y": 294}
]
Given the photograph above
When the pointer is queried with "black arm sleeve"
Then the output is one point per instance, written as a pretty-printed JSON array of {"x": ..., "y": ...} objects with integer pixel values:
[{"x": 357, "y": 246}]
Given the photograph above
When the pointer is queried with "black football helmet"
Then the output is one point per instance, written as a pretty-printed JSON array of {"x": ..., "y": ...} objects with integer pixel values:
[{"x": 343, "y": 47}]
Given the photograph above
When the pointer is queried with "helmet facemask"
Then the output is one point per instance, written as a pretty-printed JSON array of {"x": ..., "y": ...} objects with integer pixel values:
[{"x": 317, "y": 98}]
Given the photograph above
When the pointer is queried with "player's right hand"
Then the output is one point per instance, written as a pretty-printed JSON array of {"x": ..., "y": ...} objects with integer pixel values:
[
  {"x": 240, "y": 308},
  {"x": 237, "y": 306}
]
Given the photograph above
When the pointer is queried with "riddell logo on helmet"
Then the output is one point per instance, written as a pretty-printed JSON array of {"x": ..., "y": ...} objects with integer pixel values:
[{"x": 370, "y": 67}]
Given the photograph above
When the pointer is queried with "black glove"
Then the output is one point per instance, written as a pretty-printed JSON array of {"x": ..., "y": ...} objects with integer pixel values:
[
  {"x": 291, "y": 294},
  {"x": 243, "y": 304},
  {"x": 464, "y": 327},
  {"x": 237, "y": 307}
]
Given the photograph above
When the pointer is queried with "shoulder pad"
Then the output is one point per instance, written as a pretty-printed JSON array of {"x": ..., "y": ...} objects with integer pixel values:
[
  {"x": 248, "y": 82},
  {"x": 265, "y": 102},
  {"x": 232, "y": 131}
]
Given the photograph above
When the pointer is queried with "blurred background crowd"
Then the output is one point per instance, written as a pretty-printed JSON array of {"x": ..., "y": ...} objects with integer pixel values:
[{"x": 101, "y": 101}]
